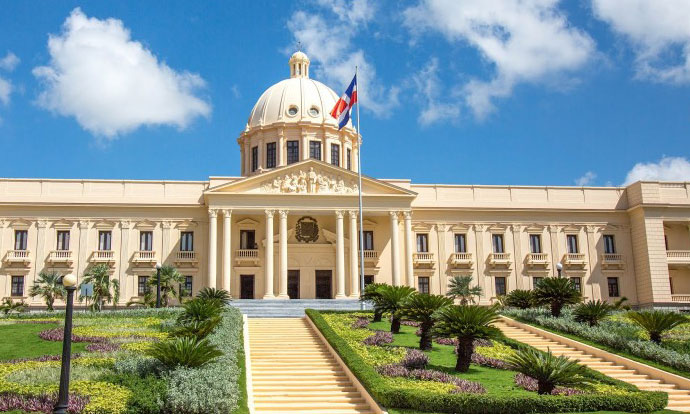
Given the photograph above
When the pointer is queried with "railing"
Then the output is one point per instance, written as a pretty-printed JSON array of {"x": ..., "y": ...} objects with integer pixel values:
[
  {"x": 459, "y": 258},
  {"x": 60, "y": 256},
  {"x": 423, "y": 257},
  {"x": 186, "y": 256},
  {"x": 499, "y": 257},
  {"x": 371, "y": 255},
  {"x": 678, "y": 255},
  {"x": 103, "y": 256},
  {"x": 613, "y": 257},
  {"x": 541, "y": 258},
  {"x": 247, "y": 253},
  {"x": 144, "y": 256},
  {"x": 18, "y": 256},
  {"x": 574, "y": 258},
  {"x": 680, "y": 298}
]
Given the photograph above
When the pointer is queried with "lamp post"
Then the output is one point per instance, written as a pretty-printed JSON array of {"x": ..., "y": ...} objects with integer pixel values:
[
  {"x": 158, "y": 285},
  {"x": 69, "y": 282},
  {"x": 559, "y": 268}
]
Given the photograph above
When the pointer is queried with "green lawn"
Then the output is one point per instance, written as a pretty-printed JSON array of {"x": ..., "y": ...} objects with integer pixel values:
[{"x": 22, "y": 341}]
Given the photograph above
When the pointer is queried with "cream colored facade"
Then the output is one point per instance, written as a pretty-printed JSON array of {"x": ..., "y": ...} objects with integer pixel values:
[{"x": 288, "y": 226}]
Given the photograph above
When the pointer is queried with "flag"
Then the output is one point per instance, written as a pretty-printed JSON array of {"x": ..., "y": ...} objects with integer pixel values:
[{"x": 341, "y": 110}]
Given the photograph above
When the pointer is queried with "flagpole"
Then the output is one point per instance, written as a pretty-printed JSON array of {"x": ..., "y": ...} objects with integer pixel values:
[{"x": 361, "y": 217}]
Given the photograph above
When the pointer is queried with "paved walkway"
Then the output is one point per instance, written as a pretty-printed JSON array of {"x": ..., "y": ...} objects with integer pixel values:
[
  {"x": 293, "y": 372},
  {"x": 679, "y": 399}
]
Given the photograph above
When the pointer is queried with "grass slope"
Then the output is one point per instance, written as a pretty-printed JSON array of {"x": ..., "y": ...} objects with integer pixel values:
[{"x": 22, "y": 341}]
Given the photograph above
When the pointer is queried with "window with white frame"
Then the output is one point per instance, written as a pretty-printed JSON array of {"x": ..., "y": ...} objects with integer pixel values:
[
  {"x": 422, "y": 243},
  {"x": 17, "y": 286},
  {"x": 20, "y": 239},
  {"x": 146, "y": 241},
  {"x": 62, "y": 240},
  {"x": 609, "y": 244},
  {"x": 571, "y": 241},
  {"x": 187, "y": 241},
  {"x": 105, "y": 239},
  {"x": 423, "y": 284},
  {"x": 497, "y": 243},
  {"x": 460, "y": 243},
  {"x": 535, "y": 243}
]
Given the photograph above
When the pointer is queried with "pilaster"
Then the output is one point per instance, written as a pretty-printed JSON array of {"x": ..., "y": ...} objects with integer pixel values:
[
  {"x": 395, "y": 248},
  {"x": 282, "y": 241},
  {"x": 227, "y": 249},
  {"x": 268, "y": 265},
  {"x": 212, "y": 246},
  {"x": 409, "y": 248},
  {"x": 339, "y": 255}
]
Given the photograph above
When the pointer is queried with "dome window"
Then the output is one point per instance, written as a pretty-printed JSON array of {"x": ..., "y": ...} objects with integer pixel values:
[
  {"x": 314, "y": 111},
  {"x": 292, "y": 111}
]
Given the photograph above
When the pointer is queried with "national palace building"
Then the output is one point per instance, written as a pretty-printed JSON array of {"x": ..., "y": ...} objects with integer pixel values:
[{"x": 288, "y": 226}]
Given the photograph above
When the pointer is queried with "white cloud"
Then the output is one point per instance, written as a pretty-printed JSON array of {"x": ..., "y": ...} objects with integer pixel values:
[
  {"x": 327, "y": 40},
  {"x": 5, "y": 91},
  {"x": 112, "y": 84},
  {"x": 659, "y": 31},
  {"x": 9, "y": 62},
  {"x": 587, "y": 179},
  {"x": 524, "y": 41},
  {"x": 667, "y": 169},
  {"x": 428, "y": 87}
]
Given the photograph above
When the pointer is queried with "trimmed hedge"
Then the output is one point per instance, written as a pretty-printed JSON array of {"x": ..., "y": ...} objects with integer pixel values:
[{"x": 479, "y": 403}]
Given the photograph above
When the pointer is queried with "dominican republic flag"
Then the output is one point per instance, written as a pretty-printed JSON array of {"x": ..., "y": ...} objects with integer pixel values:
[{"x": 341, "y": 110}]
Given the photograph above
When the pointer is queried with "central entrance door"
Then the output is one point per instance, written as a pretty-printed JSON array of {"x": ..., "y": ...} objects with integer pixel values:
[
  {"x": 324, "y": 284},
  {"x": 246, "y": 286},
  {"x": 293, "y": 284}
]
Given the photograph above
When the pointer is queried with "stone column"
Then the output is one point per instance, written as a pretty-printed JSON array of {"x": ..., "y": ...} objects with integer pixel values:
[
  {"x": 395, "y": 248},
  {"x": 282, "y": 240},
  {"x": 553, "y": 233},
  {"x": 227, "y": 249},
  {"x": 125, "y": 227},
  {"x": 354, "y": 256},
  {"x": 409, "y": 248},
  {"x": 212, "y": 246},
  {"x": 305, "y": 147},
  {"x": 40, "y": 253},
  {"x": 594, "y": 279},
  {"x": 339, "y": 256},
  {"x": 268, "y": 269},
  {"x": 82, "y": 254}
]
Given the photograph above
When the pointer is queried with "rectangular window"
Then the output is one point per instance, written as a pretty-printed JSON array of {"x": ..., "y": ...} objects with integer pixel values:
[
  {"x": 62, "y": 240},
  {"x": 315, "y": 150},
  {"x": 460, "y": 243},
  {"x": 577, "y": 282},
  {"x": 20, "y": 239},
  {"x": 422, "y": 243},
  {"x": 535, "y": 281},
  {"x": 497, "y": 243},
  {"x": 17, "y": 286},
  {"x": 368, "y": 280},
  {"x": 188, "y": 285},
  {"x": 143, "y": 286},
  {"x": 571, "y": 240},
  {"x": 187, "y": 241},
  {"x": 247, "y": 239},
  {"x": 271, "y": 155},
  {"x": 500, "y": 285},
  {"x": 368, "y": 236},
  {"x": 255, "y": 158},
  {"x": 609, "y": 244},
  {"x": 423, "y": 284},
  {"x": 614, "y": 292},
  {"x": 335, "y": 154},
  {"x": 292, "y": 152},
  {"x": 105, "y": 239},
  {"x": 349, "y": 159},
  {"x": 146, "y": 241},
  {"x": 535, "y": 243}
]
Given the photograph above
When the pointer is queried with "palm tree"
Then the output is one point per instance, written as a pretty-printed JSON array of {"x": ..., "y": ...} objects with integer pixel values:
[
  {"x": 213, "y": 293},
  {"x": 549, "y": 370},
  {"x": 466, "y": 323},
  {"x": 391, "y": 300},
  {"x": 521, "y": 299},
  {"x": 421, "y": 308},
  {"x": 170, "y": 280},
  {"x": 99, "y": 277},
  {"x": 459, "y": 287},
  {"x": 49, "y": 287},
  {"x": 556, "y": 292},
  {"x": 8, "y": 306},
  {"x": 592, "y": 312},
  {"x": 657, "y": 322},
  {"x": 372, "y": 295}
]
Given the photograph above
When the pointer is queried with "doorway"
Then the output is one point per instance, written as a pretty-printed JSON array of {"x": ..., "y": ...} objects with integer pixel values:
[
  {"x": 246, "y": 286},
  {"x": 324, "y": 284},
  {"x": 293, "y": 284}
]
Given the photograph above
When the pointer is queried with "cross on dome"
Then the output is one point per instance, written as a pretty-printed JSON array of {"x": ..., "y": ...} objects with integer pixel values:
[{"x": 299, "y": 65}]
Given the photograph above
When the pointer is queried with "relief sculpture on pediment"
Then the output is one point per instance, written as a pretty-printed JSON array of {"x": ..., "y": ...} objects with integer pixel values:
[{"x": 309, "y": 182}]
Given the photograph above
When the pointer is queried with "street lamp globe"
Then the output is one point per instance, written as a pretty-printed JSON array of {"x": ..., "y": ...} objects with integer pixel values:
[
  {"x": 158, "y": 266},
  {"x": 559, "y": 266},
  {"x": 69, "y": 280}
]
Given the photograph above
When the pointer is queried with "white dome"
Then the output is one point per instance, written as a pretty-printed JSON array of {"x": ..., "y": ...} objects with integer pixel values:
[{"x": 294, "y": 100}]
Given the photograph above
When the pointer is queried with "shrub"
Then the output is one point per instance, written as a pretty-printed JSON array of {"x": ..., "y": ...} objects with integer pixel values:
[
  {"x": 9, "y": 306},
  {"x": 185, "y": 351},
  {"x": 521, "y": 299},
  {"x": 214, "y": 294},
  {"x": 556, "y": 292},
  {"x": 197, "y": 329},
  {"x": 421, "y": 308},
  {"x": 657, "y": 322},
  {"x": 48, "y": 285},
  {"x": 548, "y": 370},
  {"x": 530, "y": 384},
  {"x": 461, "y": 385},
  {"x": 379, "y": 338},
  {"x": 486, "y": 361},
  {"x": 371, "y": 295},
  {"x": 200, "y": 310},
  {"x": 147, "y": 392},
  {"x": 460, "y": 287},
  {"x": 415, "y": 359},
  {"x": 10, "y": 401},
  {"x": 360, "y": 323},
  {"x": 391, "y": 299},
  {"x": 592, "y": 312}
]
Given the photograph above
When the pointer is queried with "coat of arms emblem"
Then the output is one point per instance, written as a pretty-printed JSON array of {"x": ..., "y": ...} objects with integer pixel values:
[{"x": 307, "y": 230}]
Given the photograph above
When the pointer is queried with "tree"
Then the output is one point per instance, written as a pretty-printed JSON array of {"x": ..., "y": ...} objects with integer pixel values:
[
  {"x": 49, "y": 286},
  {"x": 521, "y": 299},
  {"x": 556, "y": 292},
  {"x": 171, "y": 280},
  {"x": 549, "y": 371},
  {"x": 8, "y": 306},
  {"x": 391, "y": 300},
  {"x": 459, "y": 287},
  {"x": 656, "y": 323},
  {"x": 213, "y": 293},
  {"x": 466, "y": 323},
  {"x": 421, "y": 308},
  {"x": 592, "y": 312},
  {"x": 105, "y": 290},
  {"x": 372, "y": 295}
]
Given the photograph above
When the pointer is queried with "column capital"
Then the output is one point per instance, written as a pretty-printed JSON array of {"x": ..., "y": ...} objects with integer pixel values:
[
  {"x": 125, "y": 224},
  {"x": 283, "y": 213},
  {"x": 167, "y": 224},
  {"x": 480, "y": 227},
  {"x": 354, "y": 213},
  {"x": 407, "y": 215},
  {"x": 269, "y": 213},
  {"x": 212, "y": 213},
  {"x": 393, "y": 215},
  {"x": 553, "y": 228},
  {"x": 339, "y": 214},
  {"x": 226, "y": 212},
  {"x": 593, "y": 229},
  {"x": 517, "y": 228},
  {"x": 42, "y": 223}
]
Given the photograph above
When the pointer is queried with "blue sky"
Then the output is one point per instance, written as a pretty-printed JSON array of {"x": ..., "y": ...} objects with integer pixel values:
[{"x": 534, "y": 92}]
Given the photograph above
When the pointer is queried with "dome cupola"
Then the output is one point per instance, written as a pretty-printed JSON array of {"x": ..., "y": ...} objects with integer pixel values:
[{"x": 299, "y": 65}]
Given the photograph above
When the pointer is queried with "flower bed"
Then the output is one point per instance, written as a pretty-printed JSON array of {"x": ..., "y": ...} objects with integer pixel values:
[{"x": 437, "y": 389}]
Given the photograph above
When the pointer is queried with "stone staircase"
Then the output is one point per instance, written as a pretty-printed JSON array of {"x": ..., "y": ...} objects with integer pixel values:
[
  {"x": 678, "y": 399},
  {"x": 292, "y": 371},
  {"x": 292, "y": 308}
]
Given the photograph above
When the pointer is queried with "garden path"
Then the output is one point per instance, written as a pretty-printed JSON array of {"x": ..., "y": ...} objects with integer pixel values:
[
  {"x": 678, "y": 399},
  {"x": 293, "y": 371}
]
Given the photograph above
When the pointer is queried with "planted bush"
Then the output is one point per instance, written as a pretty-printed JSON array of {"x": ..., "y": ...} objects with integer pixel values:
[
  {"x": 548, "y": 370},
  {"x": 656, "y": 323},
  {"x": 556, "y": 292},
  {"x": 200, "y": 310},
  {"x": 521, "y": 299},
  {"x": 421, "y": 308},
  {"x": 379, "y": 338},
  {"x": 371, "y": 294},
  {"x": 185, "y": 351},
  {"x": 391, "y": 299},
  {"x": 592, "y": 312},
  {"x": 214, "y": 294},
  {"x": 415, "y": 359}
]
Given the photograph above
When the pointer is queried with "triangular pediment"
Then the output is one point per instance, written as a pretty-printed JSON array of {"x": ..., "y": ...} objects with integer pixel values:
[{"x": 310, "y": 177}]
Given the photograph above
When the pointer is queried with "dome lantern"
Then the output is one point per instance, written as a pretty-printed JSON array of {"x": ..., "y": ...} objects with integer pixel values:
[{"x": 299, "y": 65}]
